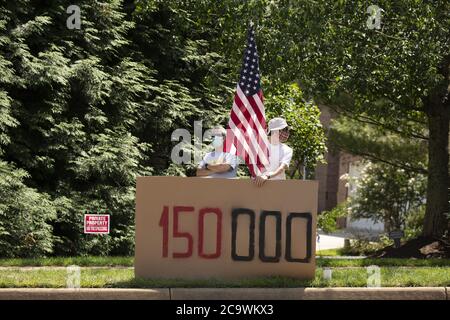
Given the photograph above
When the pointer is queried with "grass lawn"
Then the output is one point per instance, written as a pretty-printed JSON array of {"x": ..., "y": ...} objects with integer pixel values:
[
  {"x": 124, "y": 278},
  {"x": 329, "y": 252},
  {"x": 346, "y": 273},
  {"x": 91, "y": 261},
  {"x": 88, "y": 261}
]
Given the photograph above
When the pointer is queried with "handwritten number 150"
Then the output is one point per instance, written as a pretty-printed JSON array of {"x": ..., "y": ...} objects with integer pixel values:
[{"x": 177, "y": 233}]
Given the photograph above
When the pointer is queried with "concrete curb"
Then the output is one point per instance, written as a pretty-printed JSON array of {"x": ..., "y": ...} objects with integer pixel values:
[
  {"x": 238, "y": 293},
  {"x": 412, "y": 293},
  {"x": 83, "y": 294},
  {"x": 422, "y": 293},
  {"x": 418, "y": 293}
]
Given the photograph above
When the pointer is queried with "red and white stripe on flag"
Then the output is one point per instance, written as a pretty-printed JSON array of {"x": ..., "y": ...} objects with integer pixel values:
[
  {"x": 247, "y": 129},
  {"x": 246, "y": 132}
]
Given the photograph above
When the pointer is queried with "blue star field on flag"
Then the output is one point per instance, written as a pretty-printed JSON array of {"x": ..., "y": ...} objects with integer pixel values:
[{"x": 249, "y": 79}]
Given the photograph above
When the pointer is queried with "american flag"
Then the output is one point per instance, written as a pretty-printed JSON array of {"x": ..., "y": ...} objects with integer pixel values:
[{"x": 246, "y": 131}]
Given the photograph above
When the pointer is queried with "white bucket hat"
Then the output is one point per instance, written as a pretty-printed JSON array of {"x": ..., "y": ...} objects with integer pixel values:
[{"x": 277, "y": 124}]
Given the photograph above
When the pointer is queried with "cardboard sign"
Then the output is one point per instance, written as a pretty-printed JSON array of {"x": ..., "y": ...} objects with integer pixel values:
[
  {"x": 224, "y": 228},
  {"x": 96, "y": 223}
]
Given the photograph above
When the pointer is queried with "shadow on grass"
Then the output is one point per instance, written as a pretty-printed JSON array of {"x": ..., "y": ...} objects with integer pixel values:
[
  {"x": 382, "y": 262},
  {"x": 266, "y": 282}
]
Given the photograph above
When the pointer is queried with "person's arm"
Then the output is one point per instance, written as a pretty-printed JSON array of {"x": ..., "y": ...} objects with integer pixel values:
[
  {"x": 279, "y": 170},
  {"x": 259, "y": 180},
  {"x": 202, "y": 172},
  {"x": 287, "y": 156},
  {"x": 229, "y": 163},
  {"x": 203, "y": 169},
  {"x": 219, "y": 168}
]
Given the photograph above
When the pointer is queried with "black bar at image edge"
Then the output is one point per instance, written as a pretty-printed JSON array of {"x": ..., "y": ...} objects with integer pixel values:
[{"x": 239, "y": 309}]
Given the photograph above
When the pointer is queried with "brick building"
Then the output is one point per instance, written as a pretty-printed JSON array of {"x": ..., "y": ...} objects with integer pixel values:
[{"x": 333, "y": 190}]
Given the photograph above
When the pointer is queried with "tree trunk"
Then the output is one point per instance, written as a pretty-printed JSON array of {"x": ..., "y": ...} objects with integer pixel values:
[{"x": 435, "y": 223}]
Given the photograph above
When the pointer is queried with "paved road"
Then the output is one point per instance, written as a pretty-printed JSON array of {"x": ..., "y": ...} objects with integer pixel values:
[{"x": 329, "y": 242}]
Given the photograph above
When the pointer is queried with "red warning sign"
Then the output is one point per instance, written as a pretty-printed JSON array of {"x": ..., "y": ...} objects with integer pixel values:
[{"x": 96, "y": 223}]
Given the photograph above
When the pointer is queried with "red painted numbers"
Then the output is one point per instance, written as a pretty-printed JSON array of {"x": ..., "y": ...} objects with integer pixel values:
[
  {"x": 201, "y": 221},
  {"x": 164, "y": 223},
  {"x": 177, "y": 233},
  {"x": 189, "y": 238}
]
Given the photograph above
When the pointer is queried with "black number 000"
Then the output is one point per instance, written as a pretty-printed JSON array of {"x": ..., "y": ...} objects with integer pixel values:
[{"x": 262, "y": 231}]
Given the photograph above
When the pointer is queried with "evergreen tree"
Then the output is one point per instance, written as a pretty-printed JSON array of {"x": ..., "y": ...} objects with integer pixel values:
[
  {"x": 24, "y": 213},
  {"x": 77, "y": 97}
]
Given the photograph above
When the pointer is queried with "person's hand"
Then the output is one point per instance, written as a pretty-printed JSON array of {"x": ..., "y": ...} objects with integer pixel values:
[{"x": 259, "y": 180}]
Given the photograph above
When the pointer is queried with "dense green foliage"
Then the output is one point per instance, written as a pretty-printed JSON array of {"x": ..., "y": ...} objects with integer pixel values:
[
  {"x": 85, "y": 111},
  {"x": 327, "y": 220},
  {"x": 307, "y": 136},
  {"x": 76, "y": 97},
  {"x": 374, "y": 142},
  {"x": 24, "y": 214},
  {"x": 387, "y": 194}
]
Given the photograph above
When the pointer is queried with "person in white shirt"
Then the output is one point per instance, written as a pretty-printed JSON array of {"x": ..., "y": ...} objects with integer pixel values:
[
  {"x": 280, "y": 154},
  {"x": 218, "y": 164}
]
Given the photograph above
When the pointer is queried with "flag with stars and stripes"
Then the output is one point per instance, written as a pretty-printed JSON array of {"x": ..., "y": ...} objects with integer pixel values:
[{"x": 246, "y": 131}]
